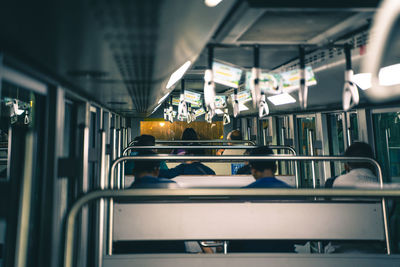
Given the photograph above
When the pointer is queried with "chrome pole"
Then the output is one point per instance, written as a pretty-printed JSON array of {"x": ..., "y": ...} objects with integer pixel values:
[{"x": 311, "y": 147}]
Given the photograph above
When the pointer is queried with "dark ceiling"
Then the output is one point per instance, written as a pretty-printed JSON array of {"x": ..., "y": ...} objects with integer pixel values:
[{"x": 121, "y": 53}]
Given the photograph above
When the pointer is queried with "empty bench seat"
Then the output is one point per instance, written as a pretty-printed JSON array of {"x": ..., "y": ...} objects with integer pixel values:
[{"x": 248, "y": 220}]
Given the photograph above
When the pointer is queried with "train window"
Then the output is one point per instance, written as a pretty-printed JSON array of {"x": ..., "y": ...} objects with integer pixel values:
[
  {"x": 22, "y": 129},
  {"x": 336, "y": 141},
  {"x": 353, "y": 127},
  {"x": 17, "y": 111},
  {"x": 387, "y": 143},
  {"x": 306, "y": 131},
  {"x": 284, "y": 167}
]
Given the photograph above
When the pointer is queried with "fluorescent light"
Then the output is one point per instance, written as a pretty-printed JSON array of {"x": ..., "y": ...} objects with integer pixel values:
[
  {"x": 219, "y": 112},
  {"x": 389, "y": 75},
  {"x": 281, "y": 99},
  {"x": 242, "y": 107},
  {"x": 178, "y": 74},
  {"x": 363, "y": 80},
  {"x": 155, "y": 108},
  {"x": 212, "y": 3},
  {"x": 163, "y": 98}
]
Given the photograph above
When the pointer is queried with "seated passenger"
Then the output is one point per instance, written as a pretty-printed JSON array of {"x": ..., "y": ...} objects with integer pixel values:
[
  {"x": 264, "y": 170},
  {"x": 187, "y": 135},
  {"x": 146, "y": 173},
  {"x": 358, "y": 173},
  {"x": 192, "y": 167},
  {"x": 142, "y": 140},
  {"x": 233, "y": 135}
]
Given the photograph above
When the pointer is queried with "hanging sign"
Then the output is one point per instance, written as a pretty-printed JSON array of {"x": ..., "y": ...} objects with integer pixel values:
[
  {"x": 226, "y": 75},
  {"x": 193, "y": 98},
  {"x": 276, "y": 83},
  {"x": 268, "y": 82},
  {"x": 291, "y": 79},
  {"x": 243, "y": 96},
  {"x": 175, "y": 101},
  {"x": 199, "y": 112}
]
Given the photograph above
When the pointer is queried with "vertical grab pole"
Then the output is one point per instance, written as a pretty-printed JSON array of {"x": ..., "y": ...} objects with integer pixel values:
[
  {"x": 122, "y": 174},
  {"x": 384, "y": 208},
  {"x": 350, "y": 97},
  {"x": 311, "y": 146},
  {"x": 310, "y": 140},
  {"x": 103, "y": 176},
  {"x": 111, "y": 186},
  {"x": 119, "y": 132},
  {"x": 303, "y": 92}
]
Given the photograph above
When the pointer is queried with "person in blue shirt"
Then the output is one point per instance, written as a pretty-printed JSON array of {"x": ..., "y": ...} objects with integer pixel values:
[
  {"x": 146, "y": 173},
  {"x": 264, "y": 170}
]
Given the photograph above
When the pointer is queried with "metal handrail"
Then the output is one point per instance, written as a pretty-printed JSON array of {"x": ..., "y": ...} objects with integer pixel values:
[
  {"x": 258, "y": 158},
  {"x": 202, "y": 141},
  {"x": 125, "y": 151},
  {"x": 232, "y": 158},
  {"x": 134, "y": 194},
  {"x": 278, "y": 147}
]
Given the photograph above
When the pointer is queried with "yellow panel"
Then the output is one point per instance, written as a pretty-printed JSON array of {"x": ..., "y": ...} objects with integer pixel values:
[{"x": 164, "y": 130}]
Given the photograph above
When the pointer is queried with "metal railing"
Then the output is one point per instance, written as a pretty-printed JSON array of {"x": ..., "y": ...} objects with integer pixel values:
[
  {"x": 234, "y": 158},
  {"x": 137, "y": 194},
  {"x": 273, "y": 147},
  {"x": 251, "y": 142}
]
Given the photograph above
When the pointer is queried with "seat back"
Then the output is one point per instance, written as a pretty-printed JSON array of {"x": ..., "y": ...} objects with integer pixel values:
[{"x": 248, "y": 220}]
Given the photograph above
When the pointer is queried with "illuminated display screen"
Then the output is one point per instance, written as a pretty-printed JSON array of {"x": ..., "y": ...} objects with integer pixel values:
[
  {"x": 285, "y": 81},
  {"x": 226, "y": 75},
  {"x": 243, "y": 96},
  {"x": 193, "y": 98}
]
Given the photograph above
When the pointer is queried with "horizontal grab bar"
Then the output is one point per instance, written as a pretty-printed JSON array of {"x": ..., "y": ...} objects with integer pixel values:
[
  {"x": 204, "y": 147},
  {"x": 174, "y": 193},
  {"x": 201, "y": 141}
]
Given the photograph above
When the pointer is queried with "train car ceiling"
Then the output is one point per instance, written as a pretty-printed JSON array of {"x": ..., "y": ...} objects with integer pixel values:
[{"x": 123, "y": 53}]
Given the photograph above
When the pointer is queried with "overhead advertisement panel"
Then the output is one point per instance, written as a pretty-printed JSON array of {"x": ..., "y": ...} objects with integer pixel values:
[
  {"x": 291, "y": 79},
  {"x": 243, "y": 96},
  {"x": 276, "y": 83},
  {"x": 193, "y": 98},
  {"x": 226, "y": 75},
  {"x": 269, "y": 82},
  {"x": 199, "y": 112},
  {"x": 175, "y": 101}
]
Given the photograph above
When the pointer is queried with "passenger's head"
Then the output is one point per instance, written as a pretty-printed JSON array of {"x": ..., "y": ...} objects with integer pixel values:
[
  {"x": 146, "y": 167},
  {"x": 262, "y": 168},
  {"x": 145, "y": 140},
  {"x": 234, "y": 135},
  {"x": 359, "y": 149},
  {"x": 189, "y": 134}
]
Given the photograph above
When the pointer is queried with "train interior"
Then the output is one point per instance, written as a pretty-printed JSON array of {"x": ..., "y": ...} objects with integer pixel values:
[{"x": 81, "y": 79}]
